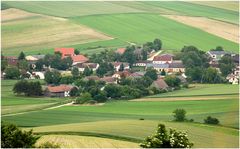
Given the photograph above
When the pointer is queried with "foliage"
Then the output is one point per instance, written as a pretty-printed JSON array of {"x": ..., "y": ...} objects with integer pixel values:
[
  {"x": 28, "y": 88},
  {"x": 104, "y": 68},
  {"x": 39, "y": 64},
  {"x": 226, "y": 65},
  {"x": 211, "y": 120},
  {"x": 23, "y": 64},
  {"x": 4, "y": 64},
  {"x": 151, "y": 73},
  {"x": 163, "y": 139},
  {"x": 211, "y": 75},
  {"x": 113, "y": 90},
  {"x": 101, "y": 96},
  {"x": 48, "y": 145},
  {"x": 87, "y": 71},
  {"x": 179, "y": 115},
  {"x": 129, "y": 56},
  {"x": 75, "y": 72},
  {"x": 163, "y": 73},
  {"x": 76, "y": 52},
  {"x": 66, "y": 80},
  {"x": 172, "y": 81},
  {"x": 84, "y": 97},
  {"x": 121, "y": 67},
  {"x": 52, "y": 77},
  {"x": 74, "y": 92},
  {"x": 12, "y": 73},
  {"x": 157, "y": 44},
  {"x": 13, "y": 137},
  {"x": 21, "y": 56}
]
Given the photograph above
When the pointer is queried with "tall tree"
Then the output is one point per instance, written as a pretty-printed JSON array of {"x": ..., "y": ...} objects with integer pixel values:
[
  {"x": 21, "y": 56},
  {"x": 157, "y": 44},
  {"x": 87, "y": 71},
  {"x": 75, "y": 72},
  {"x": 151, "y": 73},
  {"x": 52, "y": 77},
  {"x": 226, "y": 65},
  {"x": 12, "y": 73},
  {"x": 121, "y": 67}
]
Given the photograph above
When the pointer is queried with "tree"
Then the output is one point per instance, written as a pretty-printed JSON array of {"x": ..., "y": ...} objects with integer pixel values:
[
  {"x": 76, "y": 52},
  {"x": 21, "y": 56},
  {"x": 4, "y": 64},
  {"x": 113, "y": 90},
  {"x": 74, "y": 92},
  {"x": 52, "y": 77},
  {"x": 172, "y": 81},
  {"x": 48, "y": 145},
  {"x": 84, "y": 98},
  {"x": 66, "y": 80},
  {"x": 65, "y": 63},
  {"x": 23, "y": 64},
  {"x": 87, "y": 71},
  {"x": 104, "y": 68},
  {"x": 121, "y": 67},
  {"x": 211, "y": 75},
  {"x": 151, "y": 73},
  {"x": 144, "y": 54},
  {"x": 226, "y": 65},
  {"x": 39, "y": 64},
  {"x": 163, "y": 139},
  {"x": 157, "y": 44},
  {"x": 28, "y": 88},
  {"x": 101, "y": 96},
  {"x": 163, "y": 73},
  {"x": 179, "y": 115},
  {"x": 211, "y": 120},
  {"x": 12, "y": 73},
  {"x": 13, "y": 137},
  {"x": 75, "y": 72},
  {"x": 195, "y": 74}
]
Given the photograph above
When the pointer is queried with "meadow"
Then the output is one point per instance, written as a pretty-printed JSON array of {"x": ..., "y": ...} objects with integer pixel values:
[{"x": 140, "y": 28}]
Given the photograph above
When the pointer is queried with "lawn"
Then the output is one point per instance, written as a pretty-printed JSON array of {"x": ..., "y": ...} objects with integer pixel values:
[
  {"x": 136, "y": 130},
  {"x": 203, "y": 90},
  {"x": 11, "y": 103},
  {"x": 140, "y": 28}
]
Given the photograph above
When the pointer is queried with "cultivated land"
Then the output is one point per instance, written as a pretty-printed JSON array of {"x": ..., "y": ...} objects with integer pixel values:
[
  {"x": 35, "y": 33},
  {"x": 218, "y": 28},
  {"x": 14, "y": 104},
  {"x": 140, "y": 28}
]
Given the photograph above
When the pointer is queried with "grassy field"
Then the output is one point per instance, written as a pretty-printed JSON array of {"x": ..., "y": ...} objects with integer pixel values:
[
  {"x": 139, "y": 28},
  {"x": 136, "y": 130},
  {"x": 73, "y": 141},
  {"x": 203, "y": 90},
  {"x": 11, "y": 103}
]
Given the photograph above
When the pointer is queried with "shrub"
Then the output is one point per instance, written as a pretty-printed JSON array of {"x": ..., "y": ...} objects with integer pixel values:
[
  {"x": 48, "y": 145},
  {"x": 211, "y": 120},
  {"x": 179, "y": 115},
  {"x": 83, "y": 98},
  {"x": 141, "y": 119},
  {"x": 13, "y": 137},
  {"x": 161, "y": 139}
]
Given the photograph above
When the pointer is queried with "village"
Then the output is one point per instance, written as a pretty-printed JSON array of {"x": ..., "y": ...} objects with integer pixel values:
[{"x": 79, "y": 66}]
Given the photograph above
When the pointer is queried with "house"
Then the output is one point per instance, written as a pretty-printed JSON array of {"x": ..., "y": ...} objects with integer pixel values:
[
  {"x": 141, "y": 63},
  {"x": 232, "y": 78},
  {"x": 120, "y": 50},
  {"x": 81, "y": 66},
  {"x": 11, "y": 60},
  {"x": 32, "y": 59},
  {"x": 119, "y": 75},
  {"x": 216, "y": 55},
  {"x": 38, "y": 75},
  {"x": 173, "y": 67},
  {"x": 109, "y": 80},
  {"x": 160, "y": 84},
  {"x": 118, "y": 64},
  {"x": 163, "y": 59},
  {"x": 58, "y": 91},
  {"x": 69, "y": 52},
  {"x": 137, "y": 74}
]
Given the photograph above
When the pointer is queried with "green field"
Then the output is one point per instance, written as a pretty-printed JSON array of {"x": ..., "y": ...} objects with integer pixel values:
[
  {"x": 11, "y": 103},
  {"x": 203, "y": 90},
  {"x": 140, "y": 28}
]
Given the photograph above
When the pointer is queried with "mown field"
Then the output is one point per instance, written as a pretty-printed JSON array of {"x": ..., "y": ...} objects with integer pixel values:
[
  {"x": 140, "y": 28},
  {"x": 11, "y": 103},
  {"x": 128, "y": 22},
  {"x": 119, "y": 120}
]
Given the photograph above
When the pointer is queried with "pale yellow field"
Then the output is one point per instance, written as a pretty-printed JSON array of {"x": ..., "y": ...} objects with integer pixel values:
[
  {"x": 42, "y": 32},
  {"x": 222, "y": 29},
  {"x": 72, "y": 141}
]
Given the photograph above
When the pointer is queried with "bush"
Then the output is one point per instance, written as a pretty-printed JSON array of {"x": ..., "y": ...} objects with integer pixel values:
[
  {"x": 161, "y": 139},
  {"x": 141, "y": 119},
  {"x": 28, "y": 88},
  {"x": 13, "y": 137},
  {"x": 83, "y": 98},
  {"x": 179, "y": 115},
  {"x": 48, "y": 145},
  {"x": 211, "y": 120},
  {"x": 12, "y": 73}
]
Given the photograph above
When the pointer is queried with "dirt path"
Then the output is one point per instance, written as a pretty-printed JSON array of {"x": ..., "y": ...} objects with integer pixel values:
[
  {"x": 157, "y": 53},
  {"x": 67, "y": 104},
  {"x": 219, "y": 28}
]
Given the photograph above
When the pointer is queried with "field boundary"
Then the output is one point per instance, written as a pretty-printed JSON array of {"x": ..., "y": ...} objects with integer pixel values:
[{"x": 192, "y": 95}]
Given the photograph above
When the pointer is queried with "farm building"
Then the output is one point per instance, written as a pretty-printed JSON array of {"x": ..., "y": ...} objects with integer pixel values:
[
  {"x": 118, "y": 64},
  {"x": 216, "y": 55},
  {"x": 120, "y": 50},
  {"x": 32, "y": 59},
  {"x": 58, "y": 91},
  {"x": 173, "y": 67},
  {"x": 162, "y": 59},
  {"x": 123, "y": 74},
  {"x": 79, "y": 59},
  {"x": 137, "y": 74},
  {"x": 141, "y": 63},
  {"x": 160, "y": 84},
  {"x": 81, "y": 66},
  {"x": 109, "y": 80},
  {"x": 11, "y": 60},
  {"x": 38, "y": 75}
]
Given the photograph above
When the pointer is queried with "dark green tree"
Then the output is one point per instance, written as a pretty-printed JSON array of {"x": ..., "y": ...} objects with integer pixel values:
[
  {"x": 52, "y": 77},
  {"x": 84, "y": 97},
  {"x": 13, "y": 137},
  {"x": 39, "y": 64},
  {"x": 179, "y": 115},
  {"x": 75, "y": 72},
  {"x": 151, "y": 73},
  {"x": 4, "y": 64},
  {"x": 121, "y": 67},
  {"x": 74, "y": 92},
  {"x": 172, "y": 81},
  {"x": 76, "y": 52},
  {"x": 23, "y": 64},
  {"x": 66, "y": 80},
  {"x": 211, "y": 75},
  {"x": 211, "y": 120},
  {"x": 21, "y": 56},
  {"x": 163, "y": 73},
  {"x": 157, "y": 44},
  {"x": 12, "y": 73},
  {"x": 226, "y": 65},
  {"x": 87, "y": 71}
]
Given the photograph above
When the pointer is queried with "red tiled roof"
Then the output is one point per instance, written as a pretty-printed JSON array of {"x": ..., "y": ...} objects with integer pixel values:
[
  {"x": 160, "y": 83},
  {"x": 116, "y": 64},
  {"x": 164, "y": 57},
  {"x": 121, "y": 50},
  {"x": 108, "y": 79},
  {"x": 60, "y": 88},
  {"x": 79, "y": 58},
  {"x": 89, "y": 65},
  {"x": 92, "y": 78},
  {"x": 65, "y": 51}
]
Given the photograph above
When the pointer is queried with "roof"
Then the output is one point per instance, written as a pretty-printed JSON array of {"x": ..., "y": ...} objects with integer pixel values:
[
  {"x": 60, "y": 88},
  {"x": 164, "y": 57},
  {"x": 116, "y": 64},
  {"x": 92, "y": 78},
  {"x": 217, "y": 52},
  {"x": 120, "y": 50},
  {"x": 137, "y": 74},
  {"x": 79, "y": 58},
  {"x": 10, "y": 57},
  {"x": 89, "y": 65},
  {"x": 160, "y": 83},
  {"x": 65, "y": 51},
  {"x": 176, "y": 64},
  {"x": 108, "y": 79},
  {"x": 38, "y": 56},
  {"x": 30, "y": 58},
  {"x": 123, "y": 73},
  {"x": 145, "y": 62},
  {"x": 158, "y": 65}
]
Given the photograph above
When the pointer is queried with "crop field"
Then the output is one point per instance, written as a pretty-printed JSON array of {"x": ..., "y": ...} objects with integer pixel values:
[
  {"x": 11, "y": 103},
  {"x": 73, "y": 141},
  {"x": 140, "y": 28}
]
